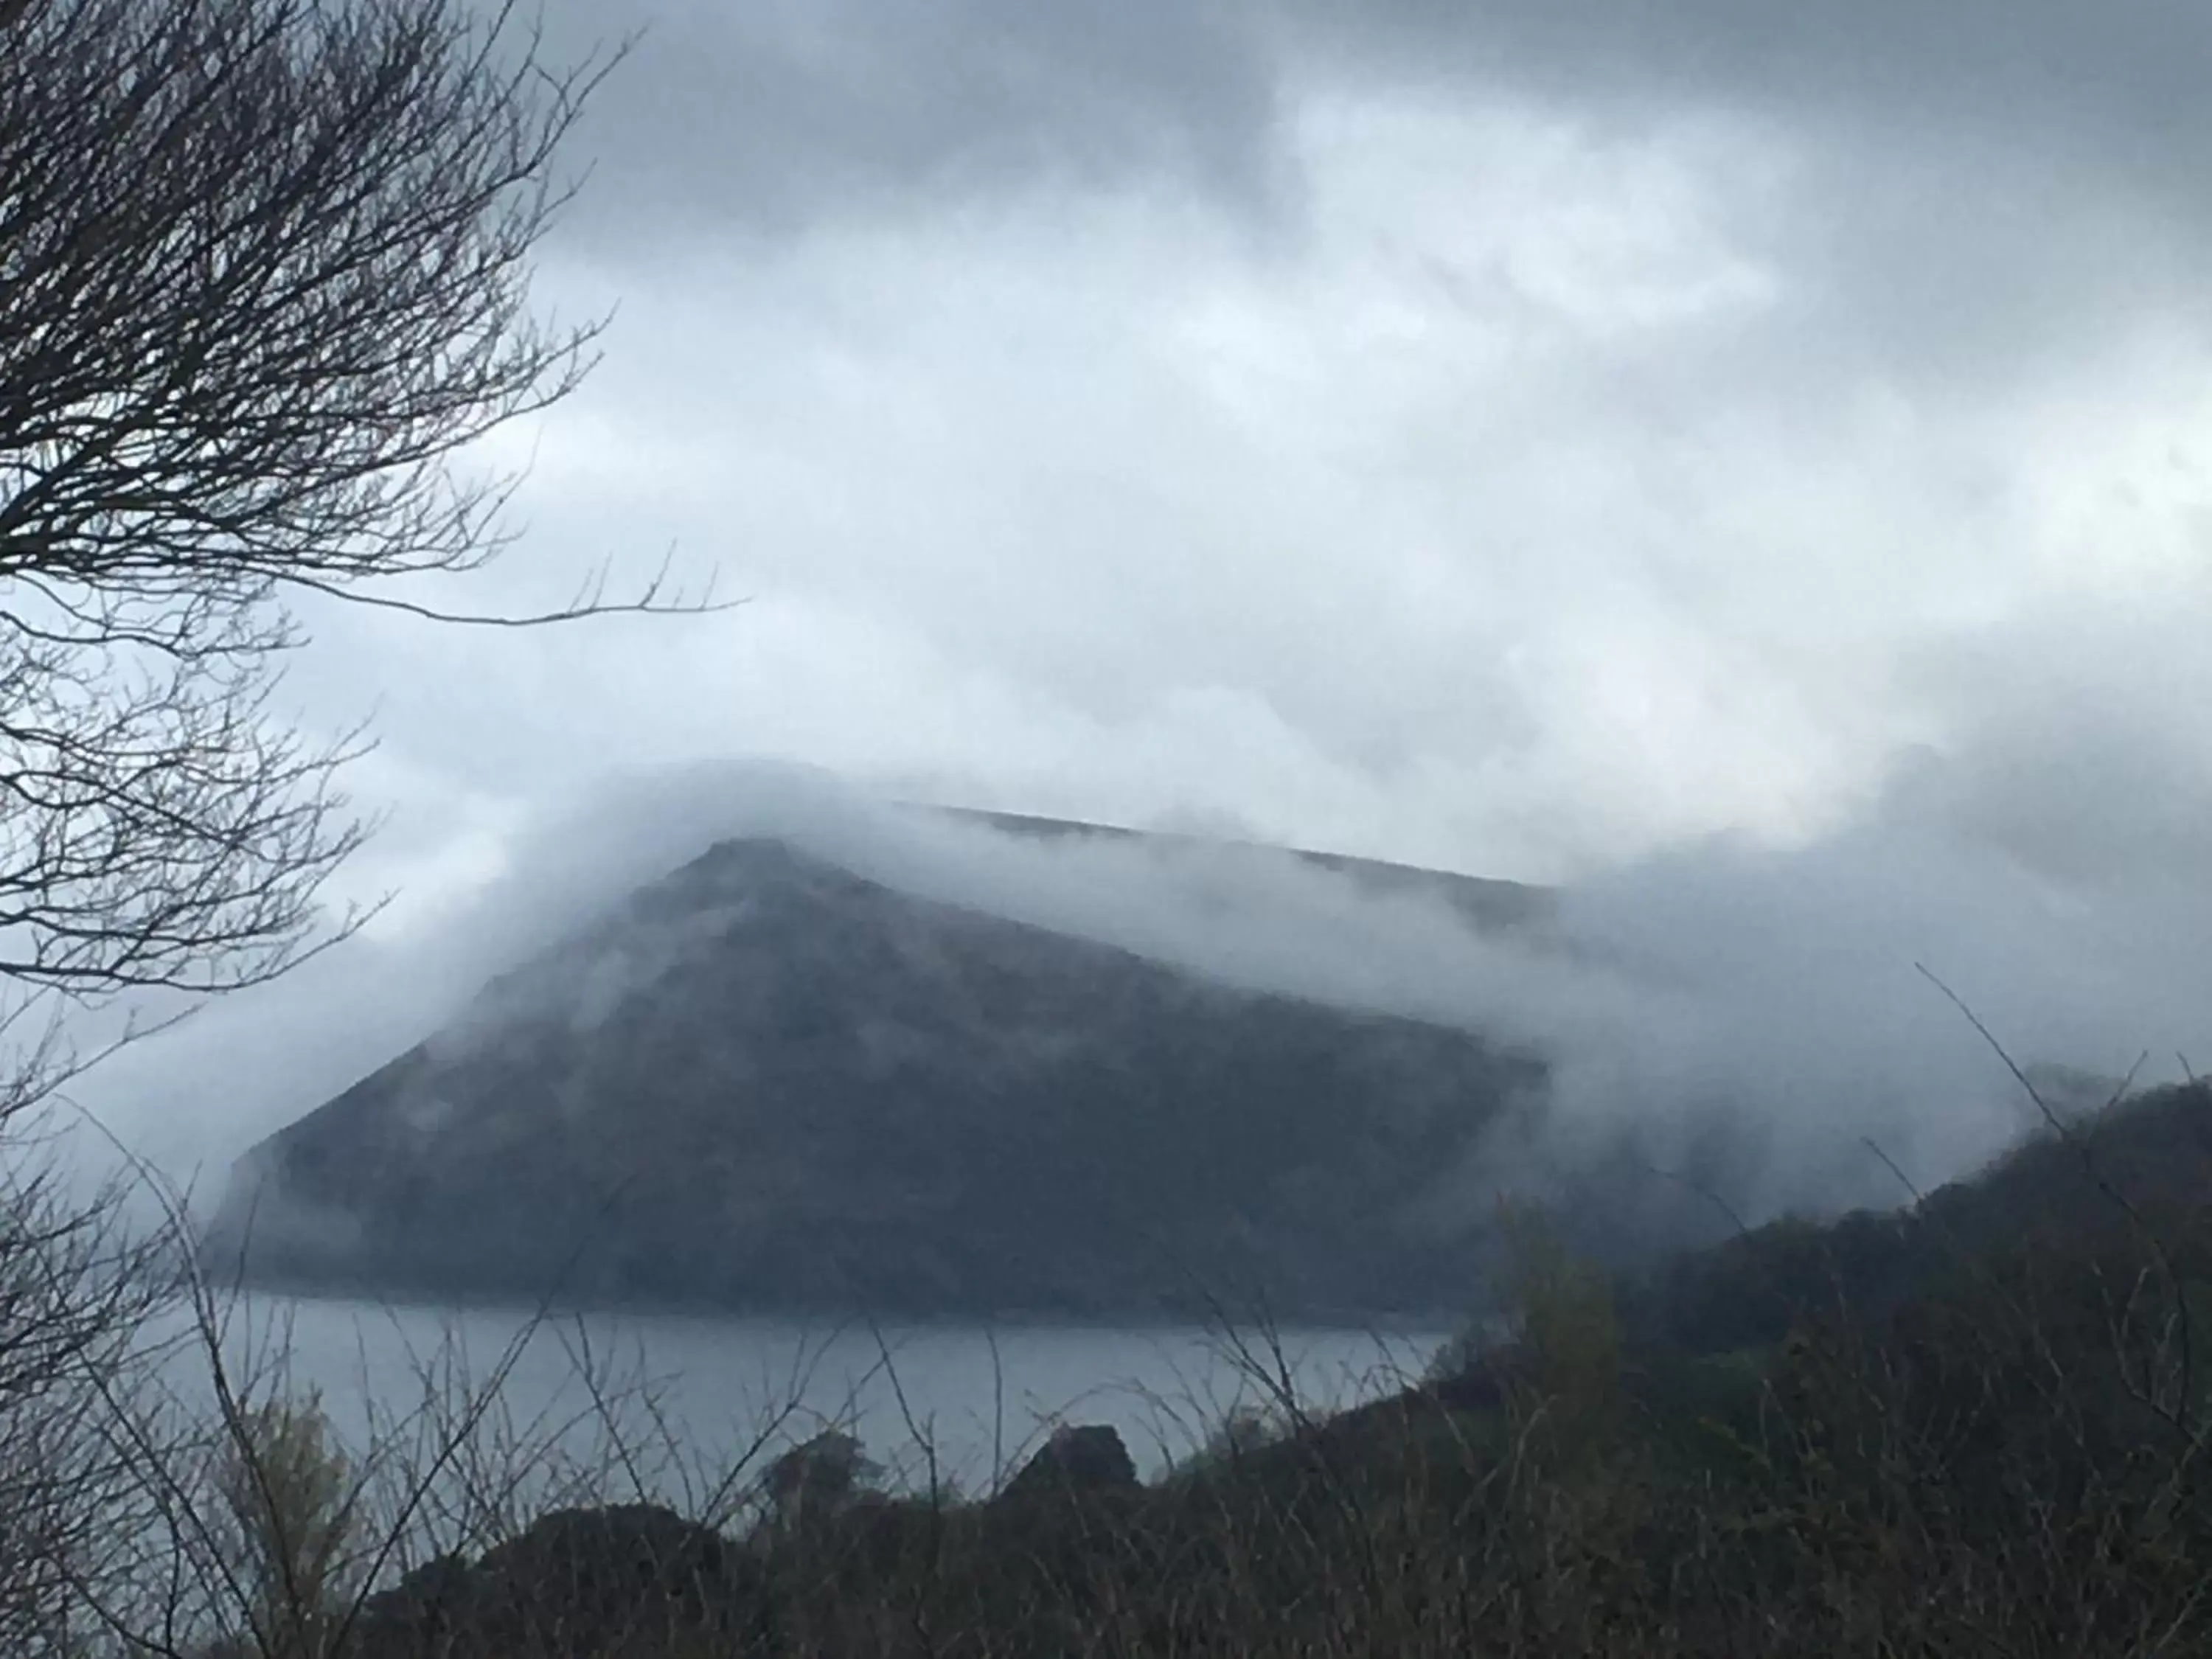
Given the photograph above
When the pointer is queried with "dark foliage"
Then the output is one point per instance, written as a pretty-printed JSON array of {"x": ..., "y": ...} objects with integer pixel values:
[{"x": 1998, "y": 1451}]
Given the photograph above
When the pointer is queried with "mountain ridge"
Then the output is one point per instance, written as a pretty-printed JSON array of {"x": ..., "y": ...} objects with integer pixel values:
[{"x": 765, "y": 1083}]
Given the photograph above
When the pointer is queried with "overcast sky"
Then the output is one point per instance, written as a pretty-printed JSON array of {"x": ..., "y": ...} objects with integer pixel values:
[
  {"x": 1516, "y": 437},
  {"x": 1535, "y": 438}
]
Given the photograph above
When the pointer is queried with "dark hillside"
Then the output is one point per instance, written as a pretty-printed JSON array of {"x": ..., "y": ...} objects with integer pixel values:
[
  {"x": 1980, "y": 1431},
  {"x": 2091, "y": 1181},
  {"x": 767, "y": 1082}
]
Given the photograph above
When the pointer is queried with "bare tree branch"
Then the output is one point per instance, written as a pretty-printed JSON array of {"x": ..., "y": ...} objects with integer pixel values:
[{"x": 265, "y": 281}]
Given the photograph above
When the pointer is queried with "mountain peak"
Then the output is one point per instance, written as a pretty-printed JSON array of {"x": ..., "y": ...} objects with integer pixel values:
[{"x": 769, "y": 1081}]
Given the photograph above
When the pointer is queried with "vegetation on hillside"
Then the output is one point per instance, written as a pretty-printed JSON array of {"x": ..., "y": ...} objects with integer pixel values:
[
  {"x": 769, "y": 1083},
  {"x": 1975, "y": 1425}
]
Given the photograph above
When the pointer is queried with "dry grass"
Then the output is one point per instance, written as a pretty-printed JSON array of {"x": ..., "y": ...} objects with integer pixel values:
[{"x": 2002, "y": 1452}]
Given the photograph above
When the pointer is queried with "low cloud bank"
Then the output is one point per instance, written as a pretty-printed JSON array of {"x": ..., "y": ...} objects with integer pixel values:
[{"x": 1774, "y": 998}]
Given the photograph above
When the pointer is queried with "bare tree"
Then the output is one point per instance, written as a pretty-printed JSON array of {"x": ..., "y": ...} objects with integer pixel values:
[
  {"x": 265, "y": 283},
  {"x": 264, "y": 273}
]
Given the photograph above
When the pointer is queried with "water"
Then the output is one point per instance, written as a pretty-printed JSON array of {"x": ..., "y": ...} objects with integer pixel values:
[{"x": 677, "y": 1408}]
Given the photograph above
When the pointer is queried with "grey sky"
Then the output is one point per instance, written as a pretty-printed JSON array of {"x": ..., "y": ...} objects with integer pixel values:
[
  {"x": 1515, "y": 436},
  {"x": 772, "y": 118},
  {"x": 1535, "y": 438}
]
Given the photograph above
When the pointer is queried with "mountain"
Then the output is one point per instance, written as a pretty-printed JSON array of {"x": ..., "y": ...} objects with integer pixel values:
[{"x": 768, "y": 1083}]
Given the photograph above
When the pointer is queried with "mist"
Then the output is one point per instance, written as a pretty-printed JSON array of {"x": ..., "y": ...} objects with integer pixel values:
[{"x": 1786, "y": 996}]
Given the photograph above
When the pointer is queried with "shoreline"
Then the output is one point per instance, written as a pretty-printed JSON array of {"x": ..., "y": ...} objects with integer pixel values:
[{"x": 1399, "y": 1326}]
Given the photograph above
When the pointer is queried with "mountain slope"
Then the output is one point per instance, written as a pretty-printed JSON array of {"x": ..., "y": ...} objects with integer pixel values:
[{"x": 768, "y": 1083}]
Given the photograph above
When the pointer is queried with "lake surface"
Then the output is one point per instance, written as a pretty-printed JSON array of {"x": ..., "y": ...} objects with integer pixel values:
[{"x": 670, "y": 1406}]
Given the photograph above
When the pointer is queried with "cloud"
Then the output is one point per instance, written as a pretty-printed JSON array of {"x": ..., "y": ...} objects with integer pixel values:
[
  {"x": 1748, "y": 463},
  {"x": 2048, "y": 72},
  {"x": 762, "y": 121},
  {"x": 1778, "y": 994},
  {"x": 1962, "y": 173},
  {"x": 1523, "y": 527},
  {"x": 1556, "y": 446},
  {"x": 779, "y": 115}
]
